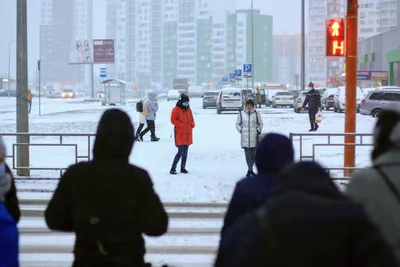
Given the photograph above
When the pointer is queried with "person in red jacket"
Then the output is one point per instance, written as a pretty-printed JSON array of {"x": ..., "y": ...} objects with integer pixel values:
[{"x": 182, "y": 119}]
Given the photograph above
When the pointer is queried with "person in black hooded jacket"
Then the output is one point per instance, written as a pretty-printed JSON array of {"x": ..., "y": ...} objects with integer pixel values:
[
  {"x": 107, "y": 202},
  {"x": 306, "y": 222}
]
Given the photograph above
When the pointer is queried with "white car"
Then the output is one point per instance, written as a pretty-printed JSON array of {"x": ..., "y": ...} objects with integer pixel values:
[
  {"x": 230, "y": 99},
  {"x": 339, "y": 101},
  {"x": 282, "y": 98},
  {"x": 173, "y": 95}
]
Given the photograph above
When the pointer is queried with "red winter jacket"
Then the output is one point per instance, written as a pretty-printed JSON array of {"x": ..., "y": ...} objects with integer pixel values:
[{"x": 183, "y": 121}]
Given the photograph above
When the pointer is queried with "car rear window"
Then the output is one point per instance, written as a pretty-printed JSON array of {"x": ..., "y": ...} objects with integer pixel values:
[
  {"x": 211, "y": 94},
  {"x": 231, "y": 93},
  {"x": 284, "y": 93}
]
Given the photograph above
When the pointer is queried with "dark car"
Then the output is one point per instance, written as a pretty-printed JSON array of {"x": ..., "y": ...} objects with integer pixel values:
[
  {"x": 327, "y": 99},
  {"x": 210, "y": 99},
  {"x": 6, "y": 93}
]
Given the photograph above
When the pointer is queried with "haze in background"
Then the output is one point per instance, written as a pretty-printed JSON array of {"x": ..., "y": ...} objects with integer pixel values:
[{"x": 285, "y": 20}]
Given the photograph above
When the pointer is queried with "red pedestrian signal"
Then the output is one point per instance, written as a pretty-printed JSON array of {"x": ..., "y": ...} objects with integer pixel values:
[{"x": 335, "y": 38}]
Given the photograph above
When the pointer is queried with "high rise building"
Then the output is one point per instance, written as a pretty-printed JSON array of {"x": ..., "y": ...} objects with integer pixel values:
[
  {"x": 232, "y": 44},
  {"x": 377, "y": 16},
  {"x": 287, "y": 58},
  {"x": 63, "y": 22}
]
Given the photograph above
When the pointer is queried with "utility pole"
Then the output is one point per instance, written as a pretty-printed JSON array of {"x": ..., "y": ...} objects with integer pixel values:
[
  {"x": 303, "y": 47},
  {"x": 252, "y": 45},
  {"x": 90, "y": 35},
  {"x": 351, "y": 84},
  {"x": 22, "y": 89}
]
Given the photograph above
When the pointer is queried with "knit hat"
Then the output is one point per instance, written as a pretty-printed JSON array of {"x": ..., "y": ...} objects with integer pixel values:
[
  {"x": 311, "y": 85},
  {"x": 184, "y": 98},
  {"x": 250, "y": 102}
]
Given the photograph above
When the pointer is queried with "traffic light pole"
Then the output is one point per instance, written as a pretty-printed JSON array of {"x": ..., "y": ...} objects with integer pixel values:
[{"x": 351, "y": 84}]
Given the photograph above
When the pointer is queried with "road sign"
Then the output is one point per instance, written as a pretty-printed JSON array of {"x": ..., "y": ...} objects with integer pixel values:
[
  {"x": 335, "y": 37},
  {"x": 238, "y": 73},
  {"x": 247, "y": 68},
  {"x": 232, "y": 76},
  {"x": 225, "y": 79},
  {"x": 103, "y": 72}
]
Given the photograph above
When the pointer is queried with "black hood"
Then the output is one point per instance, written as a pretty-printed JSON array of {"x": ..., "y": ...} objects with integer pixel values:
[
  {"x": 184, "y": 98},
  {"x": 308, "y": 177},
  {"x": 114, "y": 137}
]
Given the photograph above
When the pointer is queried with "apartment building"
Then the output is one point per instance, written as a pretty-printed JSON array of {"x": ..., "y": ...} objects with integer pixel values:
[
  {"x": 232, "y": 44},
  {"x": 377, "y": 16},
  {"x": 287, "y": 57},
  {"x": 62, "y": 23}
]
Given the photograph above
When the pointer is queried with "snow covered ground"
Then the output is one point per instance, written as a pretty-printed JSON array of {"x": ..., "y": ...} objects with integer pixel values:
[{"x": 215, "y": 162}]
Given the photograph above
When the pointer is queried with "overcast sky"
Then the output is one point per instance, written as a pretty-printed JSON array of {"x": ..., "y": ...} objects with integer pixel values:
[{"x": 285, "y": 20}]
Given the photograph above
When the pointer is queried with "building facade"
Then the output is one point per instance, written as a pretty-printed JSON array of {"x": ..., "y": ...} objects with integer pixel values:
[
  {"x": 381, "y": 53},
  {"x": 62, "y": 22},
  {"x": 287, "y": 58}
]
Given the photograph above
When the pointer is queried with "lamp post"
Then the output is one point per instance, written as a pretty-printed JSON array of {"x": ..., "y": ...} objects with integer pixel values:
[
  {"x": 252, "y": 44},
  {"x": 9, "y": 66},
  {"x": 303, "y": 47}
]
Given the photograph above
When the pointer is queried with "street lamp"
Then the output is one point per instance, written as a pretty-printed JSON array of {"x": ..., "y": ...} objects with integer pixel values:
[{"x": 9, "y": 66}]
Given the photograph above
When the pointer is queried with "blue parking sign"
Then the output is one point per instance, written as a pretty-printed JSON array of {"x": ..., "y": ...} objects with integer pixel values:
[
  {"x": 247, "y": 68},
  {"x": 238, "y": 73}
]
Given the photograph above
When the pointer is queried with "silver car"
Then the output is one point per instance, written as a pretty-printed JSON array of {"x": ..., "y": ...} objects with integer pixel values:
[
  {"x": 298, "y": 102},
  {"x": 379, "y": 100}
]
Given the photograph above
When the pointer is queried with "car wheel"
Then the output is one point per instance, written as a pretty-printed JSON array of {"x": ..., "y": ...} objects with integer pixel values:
[{"x": 376, "y": 113}]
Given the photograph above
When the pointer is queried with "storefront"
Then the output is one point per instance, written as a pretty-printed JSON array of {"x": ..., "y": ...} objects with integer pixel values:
[{"x": 381, "y": 52}]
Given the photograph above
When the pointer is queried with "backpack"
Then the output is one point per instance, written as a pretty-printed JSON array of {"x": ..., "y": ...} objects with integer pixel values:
[
  {"x": 8, "y": 238},
  {"x": 139, "y": 106}
]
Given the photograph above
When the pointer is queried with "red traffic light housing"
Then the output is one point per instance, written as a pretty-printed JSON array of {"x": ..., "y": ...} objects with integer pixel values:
[{"x": 335, "y": 37}]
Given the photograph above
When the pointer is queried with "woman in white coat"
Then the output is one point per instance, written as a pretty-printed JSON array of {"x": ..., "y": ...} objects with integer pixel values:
[
  {"x": 142, "y": 117},
  {"x": 249, "y": 124}
]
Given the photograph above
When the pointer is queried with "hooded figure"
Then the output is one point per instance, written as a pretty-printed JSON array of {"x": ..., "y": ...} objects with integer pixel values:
[
  {"x": 183, "y": 121},
  {"x": 313, "y": 100},
  {"x": 274, "y": 152},
  {"x": 377, "y": 187},
  {"x": 9, "y": 245},
  {"x": 150, "y": 112},
  {"x": 142, "y": 117},
  {"x": 249, "y": 124},
  {"x": 305, "y": 222},
  {"x": 107, "y": 202}
]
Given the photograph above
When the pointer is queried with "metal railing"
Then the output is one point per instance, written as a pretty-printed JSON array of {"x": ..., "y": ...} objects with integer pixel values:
[
  {"x": 60, "y": 142},
  {"x": 301, "y": 138}
]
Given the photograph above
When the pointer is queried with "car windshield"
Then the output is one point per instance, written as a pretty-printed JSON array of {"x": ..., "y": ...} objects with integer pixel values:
[
  {"x": 231, "y": 93},
  {"x": 68, "y": 91}
]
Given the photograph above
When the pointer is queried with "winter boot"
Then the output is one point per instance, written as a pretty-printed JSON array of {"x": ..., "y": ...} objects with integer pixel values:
[
  {"x": 183, "y": 170},
  {"x": 155, "y": 139},
  {"x": 173, "y": 171},
  {"x": 312, "y": 129},
  {"x": 138, "y": 138},
  {"x": 316, "y": 127}
]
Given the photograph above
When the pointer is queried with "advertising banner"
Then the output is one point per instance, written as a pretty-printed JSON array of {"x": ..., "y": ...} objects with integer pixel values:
[
  {"x": 103, "y": 51},
  {"x": 80, "y": 52}
]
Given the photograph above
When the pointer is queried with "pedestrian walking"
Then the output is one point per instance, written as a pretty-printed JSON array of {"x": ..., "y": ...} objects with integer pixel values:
[
  {"x": 249, "y": 124},
  {"x": 30, "y": 97},
  {"x": 377, "y": 188},
  {"x": 183, "y": 121},
  {"x": 107, "y": 202},
  {"x": 150, "y": 112},
  {"x": 142, "y": 118},
  {"x": 313, "y": 100}
]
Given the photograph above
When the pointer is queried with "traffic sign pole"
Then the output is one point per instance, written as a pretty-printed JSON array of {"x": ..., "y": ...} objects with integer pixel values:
[{"x": 351, "y": 85}]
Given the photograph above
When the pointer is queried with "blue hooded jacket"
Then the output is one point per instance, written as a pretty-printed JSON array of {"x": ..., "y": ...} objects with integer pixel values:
[
  {"x": 152, "y": 107},
  {"x": 274, "y": 152}
]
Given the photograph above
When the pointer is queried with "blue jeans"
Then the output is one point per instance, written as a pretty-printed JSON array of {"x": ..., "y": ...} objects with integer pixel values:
[
  {"x": 182, "y": 153},
  {"x": 30, "y": 106}
]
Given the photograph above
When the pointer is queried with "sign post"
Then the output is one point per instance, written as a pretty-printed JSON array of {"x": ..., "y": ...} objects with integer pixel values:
[
  {"x": 238, "y": 76},
  {"x": 247, "y": 73},
  {"x": 351, "y": 85}
]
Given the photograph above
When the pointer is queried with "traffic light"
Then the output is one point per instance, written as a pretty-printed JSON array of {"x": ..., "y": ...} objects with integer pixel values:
[{"x": 335, "y": 37}]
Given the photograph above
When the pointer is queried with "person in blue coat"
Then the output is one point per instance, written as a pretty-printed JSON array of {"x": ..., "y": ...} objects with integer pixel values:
[
  {"x": 274, "y": 152},
  {"x": 306, "y": 222},
  {"x": 8, "y": 226}
]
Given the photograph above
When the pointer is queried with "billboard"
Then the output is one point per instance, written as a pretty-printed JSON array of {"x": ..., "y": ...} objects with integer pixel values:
[
  {"x": 103, "y": 51},
  {"x": 80, "y": 52}
]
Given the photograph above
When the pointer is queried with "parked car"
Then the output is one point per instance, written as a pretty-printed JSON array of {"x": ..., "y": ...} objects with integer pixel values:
[
  {"x": 298, "y": 102},
  {"x": 340, "y": 99},
  {"x": 230, "y": 99},
  {"x": 6, "y": 93},
  {"x": 282, "y": 99},
  {"x": 210, "y": 99},
  {"x": 53, "y": 94},
  {"x": 327, "y": 98},
  {"x": 379, "y": 100},
  {"x": 173, "y": 95},
  {"x": 67, "y": 93}
]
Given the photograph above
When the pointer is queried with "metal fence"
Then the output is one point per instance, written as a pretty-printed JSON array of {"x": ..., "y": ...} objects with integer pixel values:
[
  {"x": 330, "y": 140},
  {"x": 82, "y": 148}
]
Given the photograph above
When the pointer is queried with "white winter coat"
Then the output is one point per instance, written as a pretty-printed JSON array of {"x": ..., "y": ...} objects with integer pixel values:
[
  {"x": 248, "y": 128},
  {"x": 142, "y": 118}
]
